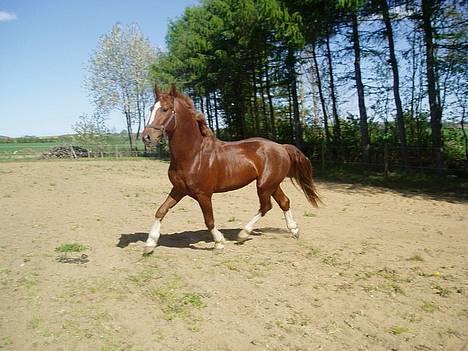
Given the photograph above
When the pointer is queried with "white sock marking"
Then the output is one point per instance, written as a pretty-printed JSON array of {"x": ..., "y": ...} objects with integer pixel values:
[
  {"x": 154, "y": 234},
  {"x": 218, "y": 238},
  {"x": 290, "y": 223},
  {"x": 249, "y": 226}
]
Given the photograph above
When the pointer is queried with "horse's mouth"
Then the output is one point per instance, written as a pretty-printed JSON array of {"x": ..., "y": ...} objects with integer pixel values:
[{"x": 150, "y": 144}]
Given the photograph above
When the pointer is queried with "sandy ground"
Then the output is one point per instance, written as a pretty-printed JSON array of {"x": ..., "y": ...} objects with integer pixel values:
[{"x": 373, "y": 269}]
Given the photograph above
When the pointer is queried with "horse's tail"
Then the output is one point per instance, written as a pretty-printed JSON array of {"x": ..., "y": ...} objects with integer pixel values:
[{"x": 301, "y": 174}]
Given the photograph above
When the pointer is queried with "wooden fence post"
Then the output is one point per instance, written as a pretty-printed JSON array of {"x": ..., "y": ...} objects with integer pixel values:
[{"x": 73, "y": 154}]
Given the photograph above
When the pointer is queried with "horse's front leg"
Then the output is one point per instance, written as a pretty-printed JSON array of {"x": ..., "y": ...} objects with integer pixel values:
[
  {"x": 207, "y": 208},
  {"x": 173, "y": 198}
]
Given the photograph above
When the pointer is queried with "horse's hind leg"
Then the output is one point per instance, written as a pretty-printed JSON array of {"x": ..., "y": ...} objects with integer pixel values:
[
  {"x": 153, "y": 237},
  {"x": 265, "y": 206},
  {"x": 284, "y": 203}
]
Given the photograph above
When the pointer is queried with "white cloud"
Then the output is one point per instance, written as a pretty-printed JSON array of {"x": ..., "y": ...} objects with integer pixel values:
[{"x": 7, "y": 16}]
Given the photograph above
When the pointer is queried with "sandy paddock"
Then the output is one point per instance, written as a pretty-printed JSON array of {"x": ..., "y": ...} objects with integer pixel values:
[{"x": 373, "y": 269}]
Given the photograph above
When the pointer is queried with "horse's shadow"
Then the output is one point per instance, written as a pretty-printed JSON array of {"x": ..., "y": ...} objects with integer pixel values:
[{"x": 178, "y": 240}]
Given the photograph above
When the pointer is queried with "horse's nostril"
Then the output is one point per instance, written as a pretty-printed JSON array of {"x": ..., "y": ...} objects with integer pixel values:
[{"x": 146, "y": 138}]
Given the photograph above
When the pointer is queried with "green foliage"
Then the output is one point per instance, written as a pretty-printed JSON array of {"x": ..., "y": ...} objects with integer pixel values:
[
  {"x": 243, "y": 59},
  {"x": 397, "y": 330},
  {"x": 70, "y": 247},
  {"x": 117, "y": 77},
  {"x": 91, "y": 130}
]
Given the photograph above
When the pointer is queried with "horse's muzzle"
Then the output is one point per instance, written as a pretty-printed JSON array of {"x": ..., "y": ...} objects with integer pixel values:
[
  {"x": 151, "y": 141},
  {"x": 146, "y": 139}
]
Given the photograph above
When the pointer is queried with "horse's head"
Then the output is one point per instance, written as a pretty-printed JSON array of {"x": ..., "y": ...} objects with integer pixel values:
[{"x": 163, "y": 117}]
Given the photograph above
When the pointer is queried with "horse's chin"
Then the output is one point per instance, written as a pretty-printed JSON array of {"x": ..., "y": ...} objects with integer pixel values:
[{"x": 152, "y": 144}]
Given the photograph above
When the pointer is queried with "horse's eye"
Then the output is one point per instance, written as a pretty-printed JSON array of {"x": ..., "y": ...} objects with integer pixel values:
[{"x": 164, "y": 109}]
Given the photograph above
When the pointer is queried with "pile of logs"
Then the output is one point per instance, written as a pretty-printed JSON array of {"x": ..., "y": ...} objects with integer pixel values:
[{"x": 67, "y": 151}]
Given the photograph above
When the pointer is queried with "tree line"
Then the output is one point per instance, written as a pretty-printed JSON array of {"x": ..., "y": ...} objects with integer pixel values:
[{"x": 342, "y": 74}]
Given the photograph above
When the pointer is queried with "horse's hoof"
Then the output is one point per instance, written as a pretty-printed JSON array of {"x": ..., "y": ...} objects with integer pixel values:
[
  {"x": 295, "y": 233},
  {"x": 218, "y": 247},
  {"x": 148, "y": 250},
  {"x": 242, "y": 236}
]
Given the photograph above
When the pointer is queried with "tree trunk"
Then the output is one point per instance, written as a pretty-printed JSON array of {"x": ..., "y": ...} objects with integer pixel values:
[
  {"x": 255, "y": 102},
  {"x": 209, "y": 115},
  {"x": 291, "y": 62},
  {"x": 266, "y": 128},
  {"x": 432, "y": 90},
  {"x": 202, "y": 105},
  {"x": 396, "y": 82},
  {"x": 360, "y": 90},
  {"x": 290, "y": 115},
  {"x": 128, "y": 120},
  {"x": 322, "y": 99},
  {"x": 270, "y": 104},
  {"x": 465, "y": 137},
  {"x": 216, "y": 112},
  {"x": 139, "y": 118},
  {"x": 336, "y": 119}
]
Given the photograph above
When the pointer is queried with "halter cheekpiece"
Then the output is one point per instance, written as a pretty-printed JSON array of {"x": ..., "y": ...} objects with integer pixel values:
[{"x": 162, "y": 127}]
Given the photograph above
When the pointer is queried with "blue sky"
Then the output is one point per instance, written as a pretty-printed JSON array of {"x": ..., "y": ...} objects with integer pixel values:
[{"x": 44, "y": 49}]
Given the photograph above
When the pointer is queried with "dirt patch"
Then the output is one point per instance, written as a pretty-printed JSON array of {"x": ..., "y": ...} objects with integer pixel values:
[{"x": 373, "y": 269}]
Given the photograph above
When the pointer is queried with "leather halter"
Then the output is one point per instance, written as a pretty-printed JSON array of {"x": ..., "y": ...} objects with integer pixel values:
[{"x": 162, "y": 127}]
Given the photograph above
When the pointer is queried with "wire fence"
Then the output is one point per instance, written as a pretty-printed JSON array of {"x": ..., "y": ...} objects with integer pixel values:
[
  {"x": 386, "y": 158},
  {"x": 41, "y": 151}
]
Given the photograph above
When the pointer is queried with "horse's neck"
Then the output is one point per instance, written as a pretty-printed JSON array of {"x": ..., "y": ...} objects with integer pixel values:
[{"x": 185, "y": 142}]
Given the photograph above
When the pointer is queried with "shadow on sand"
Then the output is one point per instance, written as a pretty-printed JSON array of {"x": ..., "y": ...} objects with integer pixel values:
[{"x": 188, "y": 239}]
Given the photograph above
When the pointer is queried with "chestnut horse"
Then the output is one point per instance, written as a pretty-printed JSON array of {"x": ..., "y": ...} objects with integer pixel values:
[{"x": 202, "y": 165}]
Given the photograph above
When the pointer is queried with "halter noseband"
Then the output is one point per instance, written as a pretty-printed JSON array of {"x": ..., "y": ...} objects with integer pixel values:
[{"x": 162, "y": 127}]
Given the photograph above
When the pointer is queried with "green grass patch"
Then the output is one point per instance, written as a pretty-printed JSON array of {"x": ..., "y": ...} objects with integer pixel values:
[
  {"x": 175, "y": 303},
  {"x": 330, "y": 260},
  {"x": 313, "y": 252},
  {"x": 392, "y": 288},
  {"x": 71, "y": 247},
  {"x": 464, "y": 312},
  {"x": 397, "y": 330},
  {"x": 29, "y": 280},
  {"x": 429, "y": 307},
  {"x": 441, "y": 291},
  {"x": 145, "y": 276},
  {"x": 417, "y": 258},
  {"x": 6, "y": 343},
  {"x": 34, "y": 322}
]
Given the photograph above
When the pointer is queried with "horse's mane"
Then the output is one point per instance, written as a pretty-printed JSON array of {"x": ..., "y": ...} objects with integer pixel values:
[{"x": 205, "y": 130}]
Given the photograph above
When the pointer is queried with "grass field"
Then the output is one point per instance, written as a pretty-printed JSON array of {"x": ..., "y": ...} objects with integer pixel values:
[
  {"x": 33, "y": 147},
  {"x": 21, "y": 147}
]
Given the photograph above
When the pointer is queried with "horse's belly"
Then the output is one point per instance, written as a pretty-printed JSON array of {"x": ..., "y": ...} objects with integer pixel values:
[{"x": 235, "y": 176}]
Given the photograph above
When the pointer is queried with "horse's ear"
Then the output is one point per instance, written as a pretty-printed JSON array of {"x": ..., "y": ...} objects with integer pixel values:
[
  {"x": 157, "y": 93},
  {"x": 173, "y": 91}
]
